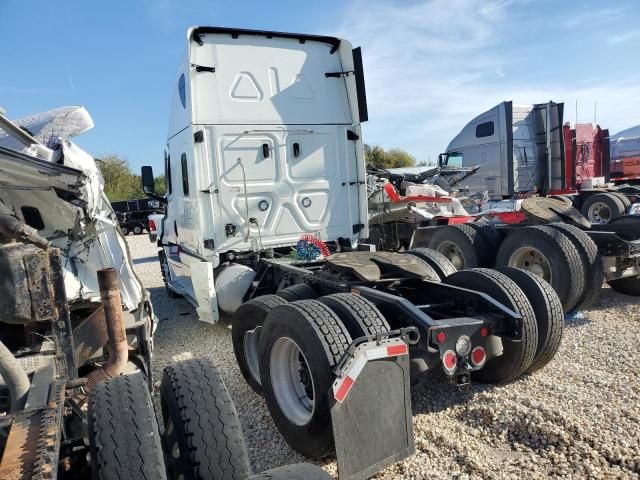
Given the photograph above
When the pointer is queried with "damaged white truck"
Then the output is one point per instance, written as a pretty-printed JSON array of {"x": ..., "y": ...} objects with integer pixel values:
[{"x": 266, "y": 214}]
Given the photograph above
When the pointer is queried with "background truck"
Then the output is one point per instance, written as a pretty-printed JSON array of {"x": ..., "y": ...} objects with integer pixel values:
[
  {"x": 525, "y": 150},
  {"x": 266, "y": 213},
  {"x": 133, "y": 214}
]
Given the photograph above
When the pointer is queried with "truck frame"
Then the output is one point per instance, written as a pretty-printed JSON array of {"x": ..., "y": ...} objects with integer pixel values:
[{"x": 266, "y": 217}]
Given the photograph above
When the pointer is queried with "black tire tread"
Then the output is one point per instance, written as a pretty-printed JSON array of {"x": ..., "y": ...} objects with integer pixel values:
[
  {"x": 441, "y": 264},
  {"x": 591, "y": 261},
  {"x": 209, "y": 419},
  {"x": 549, "y": 335},
  {"x": 331, "y": 331},
  {"x": 299, "y": 291},
  {"x": 367, "y": 316},
  {"x": 623, "y": 198},
  {"x": 474, "y": 238},
  {"x": 123, "y": 431},
  {"x": 568, "y": 251},
  {"x": 491, "y": 239},
  {"x": 520, "y": 304},
  {"x": 251, "y": 315},
  {"x": 299, "y": 471}
]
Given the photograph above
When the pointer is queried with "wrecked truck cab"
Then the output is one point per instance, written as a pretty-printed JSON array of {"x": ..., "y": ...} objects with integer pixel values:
[
  {"x": 59, "y": 193},
  {"x": 75, "y": 321}
]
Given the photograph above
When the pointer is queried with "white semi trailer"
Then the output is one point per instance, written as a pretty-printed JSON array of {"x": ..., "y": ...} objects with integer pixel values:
[{"x": 266, "y": 210}]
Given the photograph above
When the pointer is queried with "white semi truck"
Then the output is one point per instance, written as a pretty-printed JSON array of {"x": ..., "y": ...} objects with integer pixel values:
[{"x": 266, "y": 213}]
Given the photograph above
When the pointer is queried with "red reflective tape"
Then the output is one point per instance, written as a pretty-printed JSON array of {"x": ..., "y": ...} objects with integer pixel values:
[
  {"x": 342, "y": 392},
  {"x": 397, "y": 350}
]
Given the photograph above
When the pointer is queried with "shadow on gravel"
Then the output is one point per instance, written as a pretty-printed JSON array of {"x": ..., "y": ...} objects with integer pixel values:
[
  {"x": 434, "y": 393},
  {"x": 140, "y": 261}
]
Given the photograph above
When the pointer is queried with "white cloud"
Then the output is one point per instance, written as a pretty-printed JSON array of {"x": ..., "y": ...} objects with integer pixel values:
[
  {"x": 432, "y": 66},
  {"x": 623, "y": 37},
  {"x": 590, "y": 18}
]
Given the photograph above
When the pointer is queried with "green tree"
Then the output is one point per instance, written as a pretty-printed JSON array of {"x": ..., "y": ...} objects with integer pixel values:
[
  {"x": 120, "y": 183},
  {"x": 377, "y": 157},
  {"x": 161, "y": 187}
]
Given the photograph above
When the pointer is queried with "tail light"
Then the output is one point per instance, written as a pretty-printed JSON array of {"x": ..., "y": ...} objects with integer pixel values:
[
  {"x": 449, "y": 361},
  {"x": 152, "y": 225},
  {"x": 478, "y": 356}
]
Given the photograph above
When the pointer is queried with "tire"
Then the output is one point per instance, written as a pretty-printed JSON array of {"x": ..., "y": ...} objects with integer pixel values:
[
  {"x": 125, "y": 230},
  {"x": 300, "y": 471},
  {"x": 517, "y": 357},
  {"x": 548, "y": 311},
  {"x": 601, "y": 208},
  {"x": 123, "y": 432},
  {"x": 202, "y": 431},
  {"x": 360, "y": 316},
  {"x": 250, "y": 316},
  {"x": 299, "y": 291},
  {"x": 562, "y": 198},
  {"x": 441, "y": 264},
  {"x": 138, "y": 229},
  {"x": 543, "y": 210},
  {"x": 461, "y": 244},
  {"x": 555, "y": 259},
  {"x": 300, "y": 344},
  {"x": 491, "y": 238},
  {"x": 627, "y": 286},
  {"x": 591, "y": 262},
  {"x": 164, "y": 269},
  {"x": 626, "y": 203}
]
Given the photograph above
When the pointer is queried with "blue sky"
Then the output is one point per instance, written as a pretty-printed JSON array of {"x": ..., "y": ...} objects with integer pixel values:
[{"x": 430, "y": 66}]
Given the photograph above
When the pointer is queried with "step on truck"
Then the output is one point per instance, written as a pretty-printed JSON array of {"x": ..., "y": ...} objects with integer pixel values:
[{"x": 266, "y": 211}]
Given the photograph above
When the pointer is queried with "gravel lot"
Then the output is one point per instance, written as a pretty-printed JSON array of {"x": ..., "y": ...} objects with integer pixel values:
[{"x": 579, "y": 417}]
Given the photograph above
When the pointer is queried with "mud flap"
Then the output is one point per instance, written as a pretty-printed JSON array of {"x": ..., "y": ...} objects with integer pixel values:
[{"x": 371, "y": 409}]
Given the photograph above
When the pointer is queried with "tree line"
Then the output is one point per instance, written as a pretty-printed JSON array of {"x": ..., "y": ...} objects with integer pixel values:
[{"x": 121, "y": 183}]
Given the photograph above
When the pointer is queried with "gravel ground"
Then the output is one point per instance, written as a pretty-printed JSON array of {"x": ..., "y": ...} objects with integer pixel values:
[{"x": 579, "y": 417}]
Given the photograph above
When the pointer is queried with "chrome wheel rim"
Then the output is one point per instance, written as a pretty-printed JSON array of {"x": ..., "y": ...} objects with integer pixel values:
[
  {"x": 599, "y": 213},
  {"x": 250, "y": 343},
  {"x": 291, "y": 381},
  {"x": 453, "y": 253},
  {"x": 531, "y": 260}
]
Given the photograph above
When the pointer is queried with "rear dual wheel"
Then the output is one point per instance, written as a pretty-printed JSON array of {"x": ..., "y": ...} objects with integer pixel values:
[
  {"x": 601, "y": 208},
  {"x": 550, "y": 254},
  {"x": 463, "y": 245},
  {"x": 300, "y": 343},
  {"x": 517, "y": 356},
  {"x": 436, "y": 260}
]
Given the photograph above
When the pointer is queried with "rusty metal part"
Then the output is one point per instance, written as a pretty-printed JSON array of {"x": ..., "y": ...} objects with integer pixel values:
[
  {"x": 33, "y": 444},
  {"x": 61, "y": 326},
  {"x": 90, "y": 336},
  {"x": 13, "y": 228},
  {"x": 117, "y": 348}
]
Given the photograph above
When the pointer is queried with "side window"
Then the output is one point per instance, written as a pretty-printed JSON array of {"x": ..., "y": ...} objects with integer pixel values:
[
  {"x": 484, "y": 129},
  {"x": 454, "y": 160},
  {"x": 185, "y": 175},
  {"x": 167, "y": 172}
]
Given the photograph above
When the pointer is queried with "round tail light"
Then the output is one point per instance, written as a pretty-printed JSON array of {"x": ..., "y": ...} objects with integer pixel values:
[
  {"x": 449, "y": 360},
  {"x": 478, "y": 356}
]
